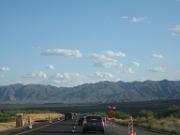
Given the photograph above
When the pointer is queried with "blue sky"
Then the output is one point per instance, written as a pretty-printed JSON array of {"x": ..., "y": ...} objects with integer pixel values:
[{"x": 68, "y": 42}]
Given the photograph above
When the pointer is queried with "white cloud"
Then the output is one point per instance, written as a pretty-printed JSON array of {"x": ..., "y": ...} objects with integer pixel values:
[
  {"x": 63, "y": 52},
  {"x": 4, "y": 69},
  {"x": 67, "y": 75},
  {"x": 124, "y": 17},
  {"x": 136, "y": 19},
  {"x": 112, "y": 54},
  {"x": 39, "y": 74},
  {"x": 130, "y": 70},
  {"x": 137, "y": 64},
  {"x": 175, "y": 30},
  {"x": 158, "y": 69},
  {"x": 106, "y": 76},
  {"x": 107, "y": 59},
  {"x": 74, "y": 79},
  {"x": 102, "y": 57},
  {"x": 51, "y": 67},
  {"x": 69, "y": 79},
  {"x": 100, "y": 60},
  {"x": 157, "y": 56},
  {"x": 106, "y": 64}
]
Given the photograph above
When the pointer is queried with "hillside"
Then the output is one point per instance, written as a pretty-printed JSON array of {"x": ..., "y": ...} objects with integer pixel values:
[{"x": 90, "y": 93}]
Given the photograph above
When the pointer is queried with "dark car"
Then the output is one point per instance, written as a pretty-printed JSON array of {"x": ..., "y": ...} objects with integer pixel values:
[
  {"x": 93, "y": 123},
  {"x": 68, "y": 116}
]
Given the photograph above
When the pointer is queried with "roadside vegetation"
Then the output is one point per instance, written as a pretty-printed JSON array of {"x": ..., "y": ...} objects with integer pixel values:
[
  {"x": 167, "y": 121},
  {"x": 7, "y": 117}
]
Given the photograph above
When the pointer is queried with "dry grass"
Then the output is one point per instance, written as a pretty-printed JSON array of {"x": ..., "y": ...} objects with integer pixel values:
[
  {"x": 5, "y": 126},
  {"x": 43, "y": 116},
  {"x": 169, "y": 124},
  {"x": 119, "y": 121},
  {"x": 34, "y": 117}
]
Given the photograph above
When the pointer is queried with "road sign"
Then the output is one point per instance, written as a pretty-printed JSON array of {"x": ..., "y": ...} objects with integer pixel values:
[
  {"x": 111, "y": 111},
  {"x": 111, "y": 114}
]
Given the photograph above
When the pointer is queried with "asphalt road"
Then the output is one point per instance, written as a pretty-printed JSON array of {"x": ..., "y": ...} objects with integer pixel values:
[{"x": 67, "y": 127}]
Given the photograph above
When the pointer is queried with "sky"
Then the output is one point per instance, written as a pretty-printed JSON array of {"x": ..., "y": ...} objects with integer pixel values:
[{"x": 72, "y": 42}]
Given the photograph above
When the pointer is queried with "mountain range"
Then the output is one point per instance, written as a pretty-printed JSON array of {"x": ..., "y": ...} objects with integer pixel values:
[{"x": 101, "y": 92}]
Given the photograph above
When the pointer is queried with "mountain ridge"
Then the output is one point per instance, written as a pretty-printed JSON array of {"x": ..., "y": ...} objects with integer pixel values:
[{"x": 101, "y": 92}]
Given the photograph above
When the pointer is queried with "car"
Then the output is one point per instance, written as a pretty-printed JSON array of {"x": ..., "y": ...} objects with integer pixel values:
[
  {"x": 93, "y": 123},
  {"x": 68, "y": 116}
]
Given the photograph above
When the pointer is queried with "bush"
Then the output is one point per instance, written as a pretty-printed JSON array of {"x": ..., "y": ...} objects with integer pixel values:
[
  {"x": 173, "y": 111},
  {"x": 121, "y": 115},
  {"x": 5, "y": 119},
  {"x": 146, "y": 114},
  {"x": 7, "y": 115},
  {"x": 169, "y": 124}
]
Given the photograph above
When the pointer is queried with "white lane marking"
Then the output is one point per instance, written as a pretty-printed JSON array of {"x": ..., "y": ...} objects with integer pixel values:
[{"x": 74, "y": 127}]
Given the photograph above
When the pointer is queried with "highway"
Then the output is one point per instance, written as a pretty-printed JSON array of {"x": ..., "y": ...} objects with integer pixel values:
[{"x": 70, "y": 127}]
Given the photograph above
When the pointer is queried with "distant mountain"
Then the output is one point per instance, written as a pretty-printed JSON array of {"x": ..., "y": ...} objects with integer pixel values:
[{"x": 102, "y": 92}]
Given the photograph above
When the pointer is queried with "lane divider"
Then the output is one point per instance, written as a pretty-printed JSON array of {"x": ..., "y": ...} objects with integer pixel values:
[{"x": 74, "y": 128}]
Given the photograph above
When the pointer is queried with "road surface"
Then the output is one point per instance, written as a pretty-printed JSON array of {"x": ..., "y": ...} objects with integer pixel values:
[{"x": 70, "y": 127}]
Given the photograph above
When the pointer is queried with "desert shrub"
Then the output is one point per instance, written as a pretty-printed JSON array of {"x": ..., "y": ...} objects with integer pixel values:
[
  {"x": 121, "y": 115},
  {"x": 169, "y": 124},
  {"x": 146, "y": 114},
  {"x": 173, "y": 111},
  {"x": 7, "y": 115}
]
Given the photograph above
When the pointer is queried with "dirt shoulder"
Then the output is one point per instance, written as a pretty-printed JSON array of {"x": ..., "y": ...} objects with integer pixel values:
[{"x": 35, "y": 118}]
